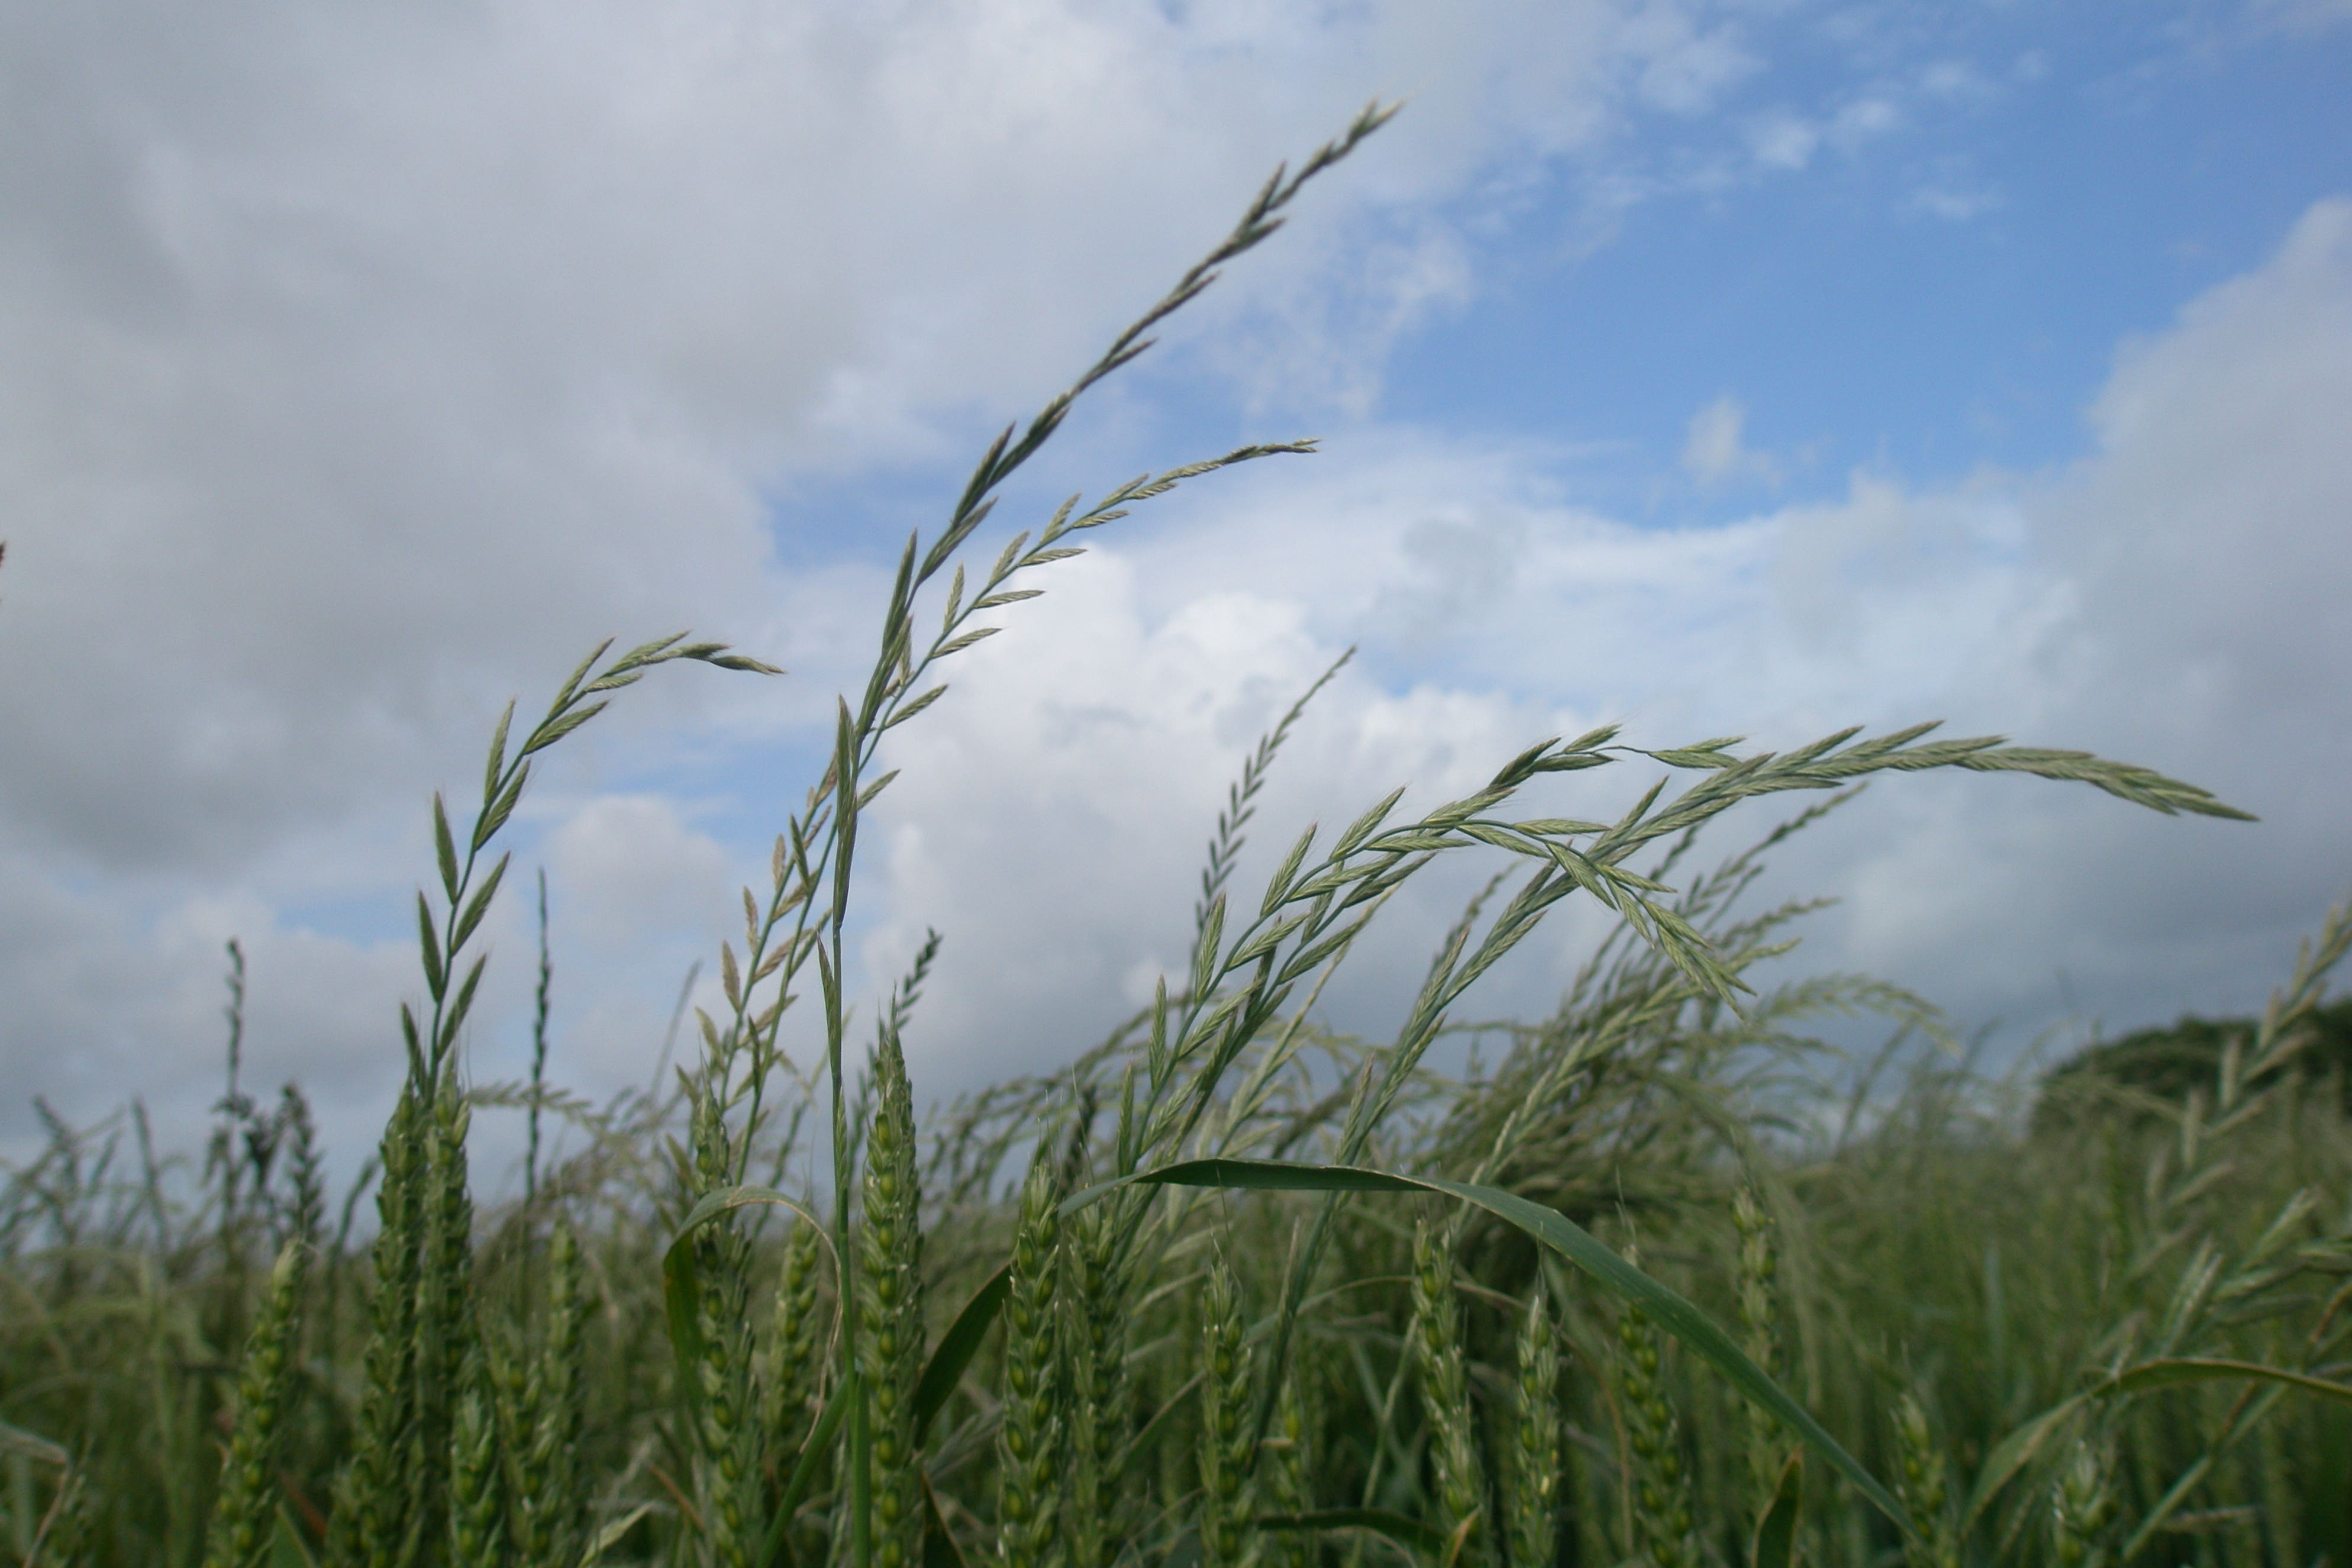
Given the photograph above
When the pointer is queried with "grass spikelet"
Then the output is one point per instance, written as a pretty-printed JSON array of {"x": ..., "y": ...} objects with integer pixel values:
[
  {"x": 1439, "y": 1363},
  {"x": 476, "y": 1497},
  {"x": 244, "y": 1509},
  {"x": 1225, "y": 1438},
  {"x": 1100, "y": 1395},
  {"x": 1030, "y": 1444},
  {"x": 543, "y": 1498},
  {"x": 2082, "y": 1510},
  {"x": 891, "y": 1347},
  {"x": 789, "y": 1384},
  {"x": 1536, "y": 1438}
]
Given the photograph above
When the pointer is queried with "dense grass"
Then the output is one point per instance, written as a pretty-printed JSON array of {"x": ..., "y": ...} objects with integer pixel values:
[{"x": 1232, "y": 1288}]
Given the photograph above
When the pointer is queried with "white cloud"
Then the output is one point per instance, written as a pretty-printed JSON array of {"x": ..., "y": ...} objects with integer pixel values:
[
  {"x": 1953, "y": 205},
  {"x": 1715, "y": 451},
  {"x": 1782, "y": 140},
  {"x": 2168, "y": 600},
  {"x": 363, "y": 367}
]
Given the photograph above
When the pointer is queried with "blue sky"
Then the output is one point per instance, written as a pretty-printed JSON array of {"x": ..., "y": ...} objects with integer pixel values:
[{"x": 1763, "y": 367}]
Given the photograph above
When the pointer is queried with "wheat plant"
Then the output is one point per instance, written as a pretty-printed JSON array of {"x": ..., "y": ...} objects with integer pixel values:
[{"x": 1232, "y": 1288}]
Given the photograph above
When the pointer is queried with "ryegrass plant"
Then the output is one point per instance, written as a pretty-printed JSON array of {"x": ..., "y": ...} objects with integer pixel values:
[{"x": 2130, "y": 1324}]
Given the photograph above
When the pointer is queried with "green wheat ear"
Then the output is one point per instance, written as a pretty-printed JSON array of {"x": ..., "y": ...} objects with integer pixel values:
[
  {"x": 2082, "y": 1509},
  {"x": 369, "y": 1520},
  {"x": 1290, "y": 1477},
  {"x": 1439, "y": 1363},
  {"x": 1101, "y": 1395},
  {"x": 1536, "y": 1438},
  {"x": 544, "y": 1500},
  {"x": 891, "y": 1349},
  {"x": 1030, "y": 1444},
  {"x": 477, "y": 1502},
  {"x": 726, "y": 1433},
  {"x": 1225, "y": 1437},
  {"x": 1659, "y": 1479},
  {"x": 790, "y": 1384},
  {"x": 245, "y": 1508},
  {"x": 1923, "y": 1485}
]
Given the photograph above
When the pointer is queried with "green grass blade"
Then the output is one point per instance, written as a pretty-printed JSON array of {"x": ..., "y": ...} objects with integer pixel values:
[
  {"x": 2190, "y": 1369},
  {"x": 957, "y": 1347},
  {"x": 2013, "y": 1453},
  {"x": 15, "y": 1440},
  {"x": 286, "y": 1547},
  {"x": 803, "y": 1477},
  {"x": 1668, "y": 1309},
  {"x": 1776, "y": 1531},
  {"x": 1405, "y": 1531},
  {"x": 940, "y": 1548}
]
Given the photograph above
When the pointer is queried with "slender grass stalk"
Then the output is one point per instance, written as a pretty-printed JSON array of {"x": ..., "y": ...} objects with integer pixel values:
[
  {"x": 65, "y": 1538},
  {"x": 538, "y": 1016},
  {"x": 1766, "y": 1448}
]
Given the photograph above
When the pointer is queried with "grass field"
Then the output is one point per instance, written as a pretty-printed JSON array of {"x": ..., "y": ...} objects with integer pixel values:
[{"x": 1660, "y": 1282}]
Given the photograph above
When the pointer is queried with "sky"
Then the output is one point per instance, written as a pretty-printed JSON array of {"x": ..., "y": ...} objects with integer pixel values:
[{"x": 1755, "y": 368}]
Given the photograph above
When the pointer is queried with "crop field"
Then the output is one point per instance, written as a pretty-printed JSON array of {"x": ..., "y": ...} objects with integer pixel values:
[{"x": 1659, "y": 1280}]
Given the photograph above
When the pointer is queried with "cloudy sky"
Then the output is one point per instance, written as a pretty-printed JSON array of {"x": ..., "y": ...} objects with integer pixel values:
[{"x": 1760, "y": 367}]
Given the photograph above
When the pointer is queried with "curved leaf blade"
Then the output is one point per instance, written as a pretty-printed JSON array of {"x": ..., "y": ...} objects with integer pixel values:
[
  {"x": 2193, "y": 1369},
  {"x": 1401, "y": 1529},
  {"x": 1563, "y": 1236},
  {"x": 957, "y": 1347},
  {"x": 682, "y": 1284},
  {"x": 2013, "y": 1453}
]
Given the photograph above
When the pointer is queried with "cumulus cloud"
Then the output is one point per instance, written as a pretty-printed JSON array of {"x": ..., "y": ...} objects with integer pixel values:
[
  {"x": 2167, "y": 599},
  {"x": 363, "y": 368}
]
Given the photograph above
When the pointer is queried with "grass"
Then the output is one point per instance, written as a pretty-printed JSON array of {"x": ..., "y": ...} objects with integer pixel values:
[{"x": 1232, "y": 1288}]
